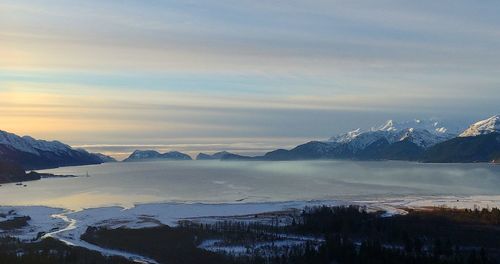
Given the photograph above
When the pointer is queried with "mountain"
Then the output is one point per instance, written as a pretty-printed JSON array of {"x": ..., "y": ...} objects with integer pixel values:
[
  {"x": 105, "y": 158},
  {"x": 480, "y": 142},
  {"x": 481, "y": 148},
  {"x": 224, "y": 155},
  {"x": 32, "y": 153},
  {"x": 215, "y": 156},
  {"x": 483, "y": 127},
  {"x": 311, "y": 150},
  {"x": 391, "y": 140},
  {"x": 424, "y": 141},
  {"x": 423, "y": 133},
  {"x": 380, "y": 149},
  {"x": 231, "y": 156},
  {"x": 383, "y": 150},
  {"x": 144, "y": 155}
]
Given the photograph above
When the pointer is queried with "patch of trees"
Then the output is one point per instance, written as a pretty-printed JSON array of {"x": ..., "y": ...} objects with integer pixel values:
[
  {"x": 50, "y": 251},
  {"x": 350, "y": 235},
  {"x": 471, "y": 228},
  {"x": 14, "y": 223},
  {"x": 164, "y": 244}
]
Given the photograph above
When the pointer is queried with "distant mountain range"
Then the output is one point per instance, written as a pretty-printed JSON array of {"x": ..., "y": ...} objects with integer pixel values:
[
  {"x": 215, "y": 156},
  {"x": 30, "y": 153},
  {"x": 424, "y": 134},
  {"x": 142, "y": 155},
  {"x": 416, "y": 140}
]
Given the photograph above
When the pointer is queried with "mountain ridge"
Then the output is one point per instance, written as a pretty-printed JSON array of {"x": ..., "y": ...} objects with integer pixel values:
[
  {"x": 424, "y": 133},
  {"x": 145, "y": 155},
  {"x": 214, "y": 156},
  {"x": 394, "y": 142},
  {"x": 482, "y": 127},
  {"x": 31, "y": 153}
]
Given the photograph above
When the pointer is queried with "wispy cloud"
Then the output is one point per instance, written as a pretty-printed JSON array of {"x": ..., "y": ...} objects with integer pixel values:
[{"x": 118, "y": 72}]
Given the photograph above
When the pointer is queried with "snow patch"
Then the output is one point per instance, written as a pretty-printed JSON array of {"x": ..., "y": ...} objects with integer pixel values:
[
  {"x": 424, "y": 133},
  {"x": 483, "y": 127}
]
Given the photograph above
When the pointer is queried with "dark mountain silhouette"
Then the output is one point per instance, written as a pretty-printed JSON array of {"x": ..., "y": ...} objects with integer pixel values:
[{"x": 145, "y": 155}]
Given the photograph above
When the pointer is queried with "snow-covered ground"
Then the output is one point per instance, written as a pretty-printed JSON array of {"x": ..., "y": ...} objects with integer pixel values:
[
  {"x": 42, "y": 221},
  {"x": 68, "y": 226},
  {"x": 398, "y": 205}
]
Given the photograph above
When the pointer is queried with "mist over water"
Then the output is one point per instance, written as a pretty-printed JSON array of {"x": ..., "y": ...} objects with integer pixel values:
[{"x": 126, "y": 184}]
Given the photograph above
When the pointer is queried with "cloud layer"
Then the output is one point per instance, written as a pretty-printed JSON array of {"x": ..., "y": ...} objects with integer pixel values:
[{"x": 167, "y": 72}]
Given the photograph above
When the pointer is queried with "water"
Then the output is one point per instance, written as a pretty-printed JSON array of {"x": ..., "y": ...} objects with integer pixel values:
[{"x": 126, "y": 184}]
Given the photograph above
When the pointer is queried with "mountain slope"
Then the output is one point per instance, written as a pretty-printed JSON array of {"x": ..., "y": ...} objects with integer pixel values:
[
  {"x": 391, "y": 140},
  {"x": 311, "y": 150},
  {"x": 482, "y": 148},
  {"x": 483, "y": 127},
  {"x": 423, "y": 133},
  {"x": 105, "y": 158},
  {"x": 426, "y": 141},
  {"x": 31, "y": 153},
  {"x": 383, "y": 150},
  {"x": 215, "y": 156}
]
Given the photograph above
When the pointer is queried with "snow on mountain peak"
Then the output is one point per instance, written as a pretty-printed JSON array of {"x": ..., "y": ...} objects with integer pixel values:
[
  {"x": 422, "y": 137},
  {"x": 346, "y": 137},
  {"x": 431, "y": 125},
  {"x": 482, "y": 127},
  {"x": 424, "y": 133},
  {"x": 31, "y": 145},
  {"x": 388, "y": 126},
  {"x": 54, "y": 146},
  {"x": 441, "y": 129}
]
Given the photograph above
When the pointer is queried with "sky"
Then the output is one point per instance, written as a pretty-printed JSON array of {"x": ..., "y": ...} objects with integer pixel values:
[{"x": 247, "y": 76}]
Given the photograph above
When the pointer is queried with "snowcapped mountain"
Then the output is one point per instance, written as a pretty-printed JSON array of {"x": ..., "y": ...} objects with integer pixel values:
[
  {"x": 33, "y": 153},
  {"x": 483, "y": 127},
  {"x": 363, "y": 139},
  {"x": 431, "y": 125},
  {"x": 416, "y": 140},
  {"x": 423, "y": 133},
  {"x": 31, "y": 145},
  {"x": 422, "y": 137}
]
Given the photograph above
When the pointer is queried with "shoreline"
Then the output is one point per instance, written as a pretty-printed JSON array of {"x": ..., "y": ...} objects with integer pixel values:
[
  {"x": 170, "y": 213},
  {"x": 68, "y": 225}
]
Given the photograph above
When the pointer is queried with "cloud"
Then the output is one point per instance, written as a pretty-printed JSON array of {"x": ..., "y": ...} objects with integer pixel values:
[
  {"x": 119, "y": 72},
  {"x": 215, "y": 36}
]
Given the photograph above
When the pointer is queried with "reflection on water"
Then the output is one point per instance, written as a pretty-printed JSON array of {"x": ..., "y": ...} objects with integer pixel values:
[{"x": 215, "y": 181}]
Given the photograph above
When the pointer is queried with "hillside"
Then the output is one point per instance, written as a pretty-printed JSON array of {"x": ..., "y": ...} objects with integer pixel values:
[
  {"x": 10, "y": 172},
  {"x": 33, "y": 153},
  {"x": 482, "y": 148}
]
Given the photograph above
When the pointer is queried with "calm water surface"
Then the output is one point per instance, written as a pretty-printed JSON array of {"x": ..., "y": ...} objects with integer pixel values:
[{"x": 215, "y": 182}]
